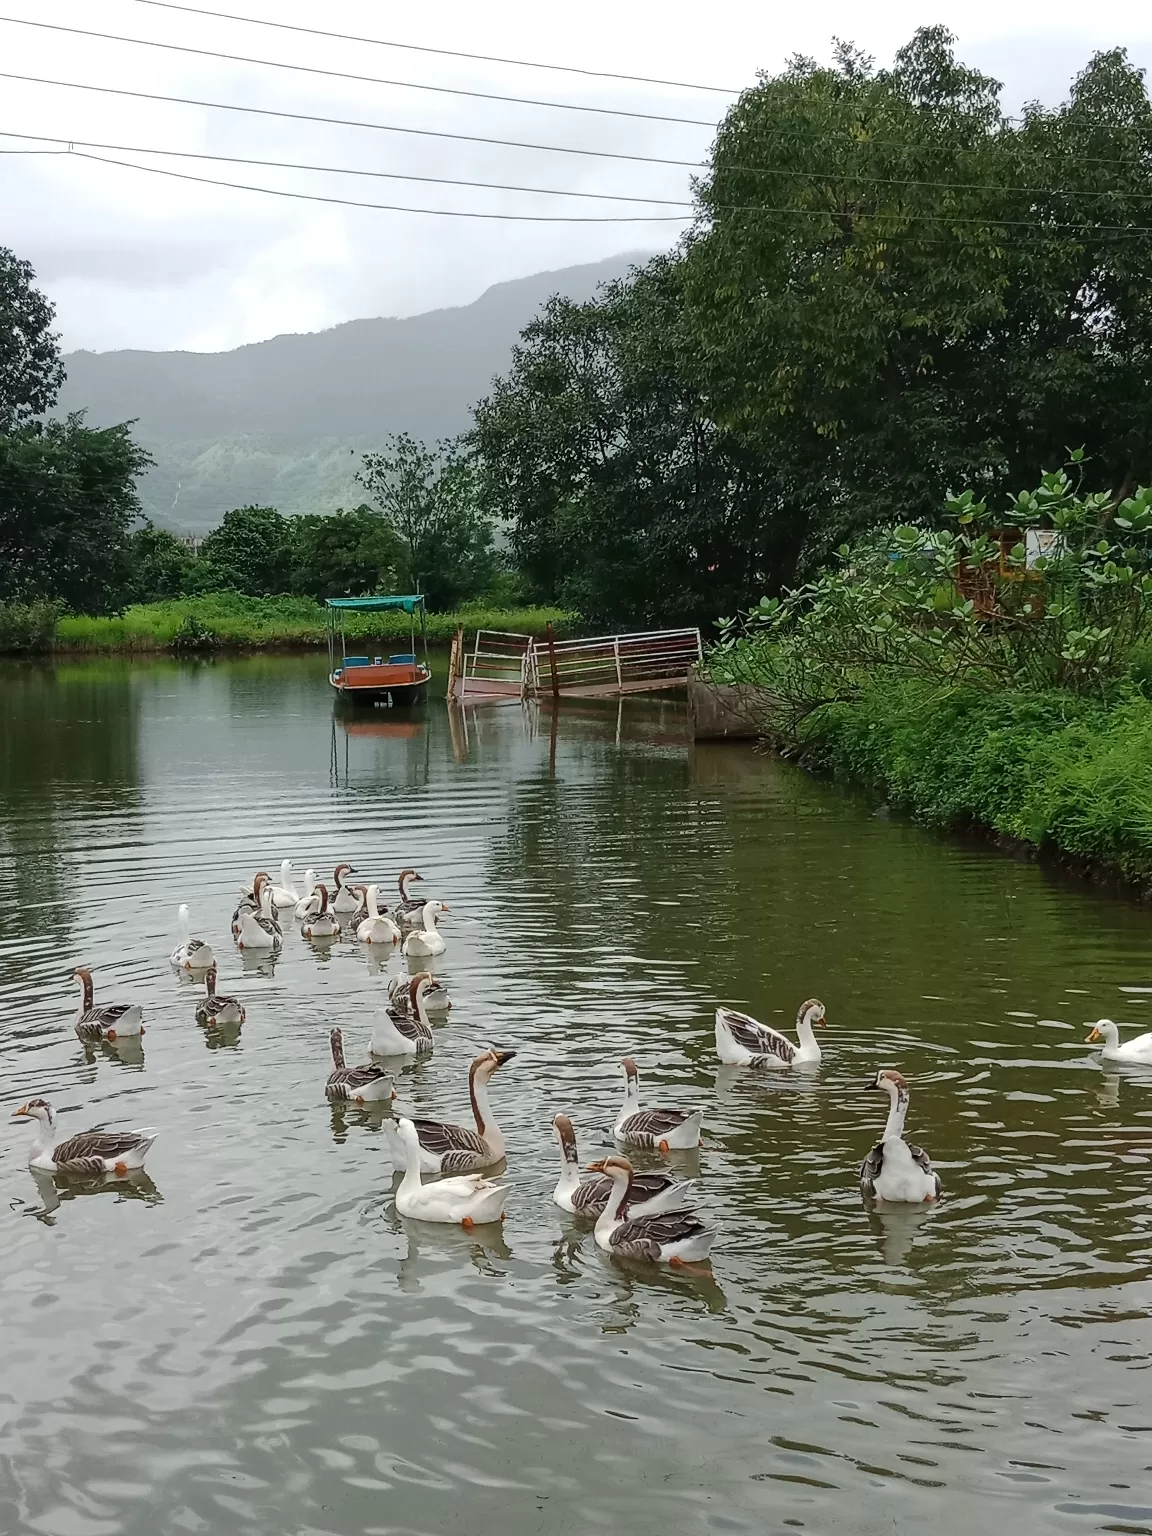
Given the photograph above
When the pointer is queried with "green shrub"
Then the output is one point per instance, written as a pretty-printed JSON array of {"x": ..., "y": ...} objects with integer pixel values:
[{"x": 28, "y": 626}]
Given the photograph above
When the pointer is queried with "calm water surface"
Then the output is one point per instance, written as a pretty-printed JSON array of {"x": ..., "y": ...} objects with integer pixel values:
[{"x": 250, "y": 1340}]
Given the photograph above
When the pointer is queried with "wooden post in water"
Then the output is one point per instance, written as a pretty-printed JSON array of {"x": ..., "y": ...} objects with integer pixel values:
[
  {"x": 454, "y": 659},
  {"x": 551, "y": 637}
]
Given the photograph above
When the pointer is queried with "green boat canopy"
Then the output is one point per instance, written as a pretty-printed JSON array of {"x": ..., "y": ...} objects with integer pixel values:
[{"x": 374, "y": 604}]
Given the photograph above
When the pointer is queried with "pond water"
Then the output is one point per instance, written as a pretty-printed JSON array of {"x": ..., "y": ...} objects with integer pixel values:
[{"x": 251, "y": 1341}]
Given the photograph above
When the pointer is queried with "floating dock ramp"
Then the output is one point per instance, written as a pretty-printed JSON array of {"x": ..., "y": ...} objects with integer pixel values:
[{"x": 499, "y": 666}]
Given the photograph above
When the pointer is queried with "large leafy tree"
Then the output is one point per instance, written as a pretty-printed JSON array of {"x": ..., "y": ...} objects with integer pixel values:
[
  {"x": 344, "y": 554},
  {"x": 31, "y": 372},
  {"x": 941, "y": 294},
  {"x": 429, "y": 498},
  {"x": 250, "y": 550},
  {"x": 624, "y": 497},
  {"x": 67, "y": 502},
  {"x": 159, "y": 565}
]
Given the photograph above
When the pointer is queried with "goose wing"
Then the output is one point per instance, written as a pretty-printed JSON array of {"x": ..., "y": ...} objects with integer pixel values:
[
  {"x": 355, "y": 1077},
  {"x": 645, "y": 1236},
  {"x": 655, "y": 1122},
  {"x": 758, "y": 1038},
  {"x": 94, "y": 1021},
  {"x": 411, "y": 1026},
  {"x": 924, "y": 1162},
  {"x": 455, "y": 1145},
  {"x": 871, "y": 1166},
  {"x": 86, "y": 1151},
  {"x": 592, "y": 1196}
]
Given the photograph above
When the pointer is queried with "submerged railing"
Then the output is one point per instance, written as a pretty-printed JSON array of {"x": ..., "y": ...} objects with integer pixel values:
[{"x": 503, "y": 665}]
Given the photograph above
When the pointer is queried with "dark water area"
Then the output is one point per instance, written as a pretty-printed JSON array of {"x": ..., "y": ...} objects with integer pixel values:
[{"x": 250, "y": 1341}]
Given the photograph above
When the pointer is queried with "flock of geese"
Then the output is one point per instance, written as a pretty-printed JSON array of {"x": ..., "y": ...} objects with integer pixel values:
[{"x": 638, "y": 1214}]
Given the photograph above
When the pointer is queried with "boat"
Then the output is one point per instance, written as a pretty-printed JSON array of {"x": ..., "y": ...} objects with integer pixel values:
[{"x": 391, "y": 680}]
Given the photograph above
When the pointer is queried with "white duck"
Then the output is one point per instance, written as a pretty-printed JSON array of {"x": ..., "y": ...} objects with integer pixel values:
[
  {"x": 190, "y": 954},
  {"x": 285, "y": 894},
  {"x": 89, "y": 1152},
  {"x": 424, "y": 942},
  {"x": 213, "y": 1009},
  {"x": 448, "y": 1148},
  {"x": 407, "y": 1033},
  {"x": 347, "y": 898},
  {"x": 649, "y": 1194},
  {"x": 260, "y": 929},
  {"x": 362, "y": 1085},
  {"x": 377, "y": 927},
  {"x": 895, "y": 1170},
  {"x": 667, "y": 1130},
  {"x": 742, "y": 1041},
  {"x": 111, "y": 1021},
  {"x": 1137, "y": 1050},
  {"x": 322, "y": 923},
  {"x": 467, "y": 1201},
  {"x": 310, "y": 901},
  {"x": 676, "y": 1238}
]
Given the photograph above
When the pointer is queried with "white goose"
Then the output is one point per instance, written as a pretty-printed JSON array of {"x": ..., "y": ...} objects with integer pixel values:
[
  {"x": 1139, "y": 1049},
  {"x": 424, "y": 942},
  {"x": 260, "y": 929},
  {"x": 111, "y": 1021},
  {"x": 285, "y": 894},
  {"x": 377, "y": 927},
  {"x": 190, "y": 954},
  {"x": 448, "y": 1148},
  {"x": 347, "y": 900},
  {"x": 676, "y": 1238},
  {"x": 407, "y": 1033},
  {"x": 467, "y": 1201},
  {"x": 310, "y": 901},
  {"x": 895, "y": 1170},
  {"x": 89, "y": 1152},
  {"x": 649, "y": 1194},
  {"x": 667, "y": 1130},
  {"x": 362, "y": 1085},
  {"x": 322, "y": 923},
  {"x": 742, "y": 1041}
]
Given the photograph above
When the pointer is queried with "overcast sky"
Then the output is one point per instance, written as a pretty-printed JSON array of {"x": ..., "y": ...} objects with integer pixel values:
[{"x": 139, "y": 260}]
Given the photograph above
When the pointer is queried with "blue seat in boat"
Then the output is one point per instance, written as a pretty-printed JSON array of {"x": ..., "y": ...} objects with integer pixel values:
[
  {"x": 396, "y": 660},
  {"x": 357, "y": 661}
]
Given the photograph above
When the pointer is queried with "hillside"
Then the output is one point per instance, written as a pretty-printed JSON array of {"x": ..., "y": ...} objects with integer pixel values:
[{"x": 283, "y": 422}]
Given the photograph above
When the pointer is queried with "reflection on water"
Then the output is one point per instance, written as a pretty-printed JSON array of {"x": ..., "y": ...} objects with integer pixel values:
[{"x": 274, "y": 1350}]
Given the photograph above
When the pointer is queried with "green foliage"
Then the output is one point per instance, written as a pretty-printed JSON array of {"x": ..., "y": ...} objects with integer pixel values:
[
  {"x": 622, "y": 496},
  {"x": 248, "y": 552},
  {"x": 159, "y": 565},
  {"x": 31, "y": 372},
  {"x": 67, "y": 501},
  {"x": 27, "y": 626},
  {"x": 935, "y": 293},
  {"x": 429, "y": 498},
  {"x": 1053, "y": 770},
  {"x": 345, "y": 554},
  {"x": 241, "y": 621},
  {"x": 194, "y": 635}
]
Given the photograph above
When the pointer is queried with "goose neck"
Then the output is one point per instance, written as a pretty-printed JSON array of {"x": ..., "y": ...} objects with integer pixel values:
[
  {"x": 486, "y": 1127},
  {"x": 897, "y": 1111},
  {"x": 610, "y": 1216}
]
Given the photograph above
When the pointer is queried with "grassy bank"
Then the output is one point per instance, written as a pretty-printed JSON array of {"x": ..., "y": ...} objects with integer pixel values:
[
  {"x": 227, "y": 619},
  {"x": 1051, "y": 770}
]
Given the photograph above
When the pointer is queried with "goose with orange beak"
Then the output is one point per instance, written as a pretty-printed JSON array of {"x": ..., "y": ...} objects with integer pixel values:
[
  {"x": 649, "y": 1194},
  {"x": 667, "y": 1130},
  {"x": 111, "y": 1021},
  {"x": 469, "y": 1200},
  {"x": 89, "y": 1152},
  {"x": 676, "y": 1238},
  {"x": 742, "y": 1041},
  {"x": 1138, "y": 1050}
]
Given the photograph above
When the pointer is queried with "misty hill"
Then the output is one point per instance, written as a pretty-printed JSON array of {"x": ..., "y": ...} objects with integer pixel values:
[{"x": 283, "y": 422}]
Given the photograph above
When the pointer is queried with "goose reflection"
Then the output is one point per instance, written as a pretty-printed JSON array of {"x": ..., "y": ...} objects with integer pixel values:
[
  {"x": 896, "y": 1227},
  {"x": 259, "y": 962},
  {"x": 346, "y": 1115},
  {"x": 221, "y": 1037},
  {"x": 430, "y": 1243},
  {"x": 125, "y": 1050},
  {"x": 54, "y": 1190},
  {"x": 632, "y": 1277}
]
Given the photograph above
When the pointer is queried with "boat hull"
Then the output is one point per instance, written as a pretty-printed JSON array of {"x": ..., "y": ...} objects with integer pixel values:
[{"x": 387, "y": 683}]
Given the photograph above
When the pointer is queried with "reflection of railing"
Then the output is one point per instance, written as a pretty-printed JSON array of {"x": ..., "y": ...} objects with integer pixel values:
[{"x": 501, "y": 665}]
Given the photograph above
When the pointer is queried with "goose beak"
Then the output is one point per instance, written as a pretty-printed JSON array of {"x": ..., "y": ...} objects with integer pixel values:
[
  {"x": 823, "y": 1023},
  {"x": 503, "y": 1056},
  {"x": 444, "y": 907},
  {"x": 596, "y": 1167},
  {"x": 23, "y": 1113},
  {"x": 1093, "y": 1037}
]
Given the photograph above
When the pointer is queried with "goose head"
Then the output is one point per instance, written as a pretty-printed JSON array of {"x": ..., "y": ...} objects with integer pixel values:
[
  {"x": 84, "y": 976},
  {"x": 616, "y": 1167},
  {"x": 405, "y": 876},
  {"x": 565, "y": 1133},
  {"x": 889, "y": 1081},
  {"x": 39, "y": 1110},
  {"x": 812, "y": 1012},
  {"x": 1104, "y": 1029},
  {"x": 340, "y": 871},
  {"x": 487, "y": 1063}
]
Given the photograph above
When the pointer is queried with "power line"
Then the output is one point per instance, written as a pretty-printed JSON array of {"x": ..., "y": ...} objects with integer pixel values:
[
  {"x": 345, "y": 170},
  {"x": 345, "y": 122},
  {"x": 446, "y": 53},
  {"x": 339, "y": 74}
]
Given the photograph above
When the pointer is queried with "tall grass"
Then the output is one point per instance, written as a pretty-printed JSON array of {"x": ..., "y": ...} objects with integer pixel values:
[{"x": 233, "y": 620}]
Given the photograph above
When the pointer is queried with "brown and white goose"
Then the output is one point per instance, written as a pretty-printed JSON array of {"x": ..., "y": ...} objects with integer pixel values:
[
  {"x": 649, "y": 1194},
  {"x": 742, "y": 1041},
  {"x": 677, "y": 1237},
  {"x": 323, "y": 923},
  {"x": 213, "y": 1009},
  {"x": 449, "y": 1148},
  {"x": 90, "y": 1152},
  {"x": 259, "y": 928},
  {"x": 347, "y": 901},
  {"x": 895, "y": 1170},
  {"x": 408, "y": 909},
  {"x": 668, "y": 1130},
  {"x": 360, "y": 1085},
  {"x": 190, "y": 954},
  {"x": 406, "y": 1032},
  {"x": 111, "y": 1021}
]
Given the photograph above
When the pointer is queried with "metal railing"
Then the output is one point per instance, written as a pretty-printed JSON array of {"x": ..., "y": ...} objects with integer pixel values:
[
  {"x": 613, "y": 663},
  {"x": 499, "y": 660}
]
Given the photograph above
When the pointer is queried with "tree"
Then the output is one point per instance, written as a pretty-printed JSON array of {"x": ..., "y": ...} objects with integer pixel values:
[
  {"x": 250, "y": 551},
  {"x": 67, "y": 501},
  {"x": 938, "y": 294},
  {"x": 31, "y": 372},
  {"x": 344, "y": 554},
  {"x": 158, "y": 564},
  {"x": 624, "y": 498},
  {"x": 429, "y": 498}
]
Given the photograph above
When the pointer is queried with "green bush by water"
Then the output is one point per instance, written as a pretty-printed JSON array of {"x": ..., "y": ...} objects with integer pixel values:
[
  {"x": 1053, "y": 770},
  {"x": 27, "y": 626},
  {"x": 230, "y": 619}
]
